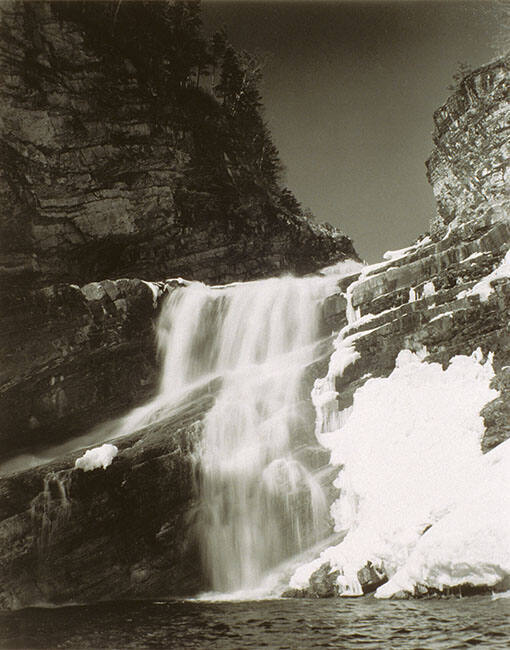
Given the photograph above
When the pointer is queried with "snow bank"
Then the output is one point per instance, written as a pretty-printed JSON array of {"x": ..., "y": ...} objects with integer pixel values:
[
  {"x": 410, "y": 460},
  {"x": 403, "y": 252},
  {"x": 471, "y": 544},
  {"x": 484, "y": 287},
  {"x": 97, "y": 457},
  {"x": 428, "y": 289}
]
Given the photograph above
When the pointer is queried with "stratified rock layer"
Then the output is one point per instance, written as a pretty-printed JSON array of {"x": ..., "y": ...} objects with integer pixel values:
[
  {"x": 94, "y": 172},
  {"x": 72, "y": 357},
  {"x": 468, "y": 168},
  {"x": 127, "y": 531}
]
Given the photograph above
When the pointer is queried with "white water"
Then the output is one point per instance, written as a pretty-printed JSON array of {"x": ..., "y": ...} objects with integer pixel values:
[
  {"x": 261, "y": 496},
  {"x": 51, "y": 508}
]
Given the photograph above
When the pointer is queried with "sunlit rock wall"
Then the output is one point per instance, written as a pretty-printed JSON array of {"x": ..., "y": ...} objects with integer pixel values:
[{"x": 468, "y": 168}]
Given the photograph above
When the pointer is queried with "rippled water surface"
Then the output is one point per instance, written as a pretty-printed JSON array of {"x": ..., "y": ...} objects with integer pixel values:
[{"x": 361, "y": 623}]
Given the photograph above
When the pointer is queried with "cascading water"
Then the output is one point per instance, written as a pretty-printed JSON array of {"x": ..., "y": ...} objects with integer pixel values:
[{"x": 261, "y": 498}]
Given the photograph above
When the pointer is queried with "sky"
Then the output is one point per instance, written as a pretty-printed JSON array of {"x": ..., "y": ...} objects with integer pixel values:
[{"x": 349, "y": 91}]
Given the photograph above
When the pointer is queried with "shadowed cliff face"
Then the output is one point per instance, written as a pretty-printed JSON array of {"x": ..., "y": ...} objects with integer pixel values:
[
  {"x": 108, "y": 173},
  {"x": 109, "y": 169},
  {"x": 74, "y": 536},
  {"x": 72, "y": 357}
]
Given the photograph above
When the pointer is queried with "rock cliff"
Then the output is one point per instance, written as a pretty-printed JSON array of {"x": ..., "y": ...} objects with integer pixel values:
[
  {"x": 74, "y": 536},
  {"x": 73, "y": 356},
  {"x": 108, "y": 172},
  {"x": 468, "y": 168}
]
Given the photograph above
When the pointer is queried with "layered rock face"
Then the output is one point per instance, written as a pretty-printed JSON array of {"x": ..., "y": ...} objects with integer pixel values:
[
  {"x": 95, "y": 182},
  {"x": 468, "y": 168},
  {"x": 101, "y": 178},
  {"x": 73, "y": 357},
  {"x": 74, "y": 536}
]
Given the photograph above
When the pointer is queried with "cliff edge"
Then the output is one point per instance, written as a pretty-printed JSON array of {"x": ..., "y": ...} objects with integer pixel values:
[{"x": 132, "y": 146}]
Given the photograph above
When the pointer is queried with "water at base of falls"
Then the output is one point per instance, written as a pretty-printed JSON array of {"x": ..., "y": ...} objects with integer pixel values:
[
  {"x": 286, "y": 623},
  {"x": 260, "y": 493}
]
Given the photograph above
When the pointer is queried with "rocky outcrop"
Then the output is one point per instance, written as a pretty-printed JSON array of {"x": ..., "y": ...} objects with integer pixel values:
[
  {"x": 73, "y": 357},
  {"x": 102, "y": 177},
  {"x": 73, "y": 536},
  {"x": 323, "y": 582},
  {"x": 468, "y": 168}
]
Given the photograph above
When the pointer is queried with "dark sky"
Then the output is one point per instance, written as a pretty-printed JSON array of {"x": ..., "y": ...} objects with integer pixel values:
[{"x": 349, "y": 90}]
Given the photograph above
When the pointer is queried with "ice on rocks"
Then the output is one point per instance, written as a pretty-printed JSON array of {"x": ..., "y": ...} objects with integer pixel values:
[
  {"x": 418, "y": 498},
  {"x": 96, "y": 458}
]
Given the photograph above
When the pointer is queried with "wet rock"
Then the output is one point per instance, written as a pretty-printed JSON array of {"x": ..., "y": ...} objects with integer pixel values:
[
  {"x": 322, "y": 585},
  {"x": 371, "y": 577},
  {"x": 123, "y": 532},
  {"x": 323, "y": 582}
]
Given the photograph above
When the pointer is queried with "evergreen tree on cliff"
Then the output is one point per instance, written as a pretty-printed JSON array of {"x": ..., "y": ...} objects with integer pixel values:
[{"x": 152, "y": 148}]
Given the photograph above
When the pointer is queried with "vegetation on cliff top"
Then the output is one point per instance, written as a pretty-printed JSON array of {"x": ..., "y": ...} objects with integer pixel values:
[{"x": 202, "y": 88}]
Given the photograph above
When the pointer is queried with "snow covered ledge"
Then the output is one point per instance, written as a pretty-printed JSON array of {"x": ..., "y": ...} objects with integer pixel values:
[
  {"x": 96, "y": 458},
  {"x": 419, "y": 505}
]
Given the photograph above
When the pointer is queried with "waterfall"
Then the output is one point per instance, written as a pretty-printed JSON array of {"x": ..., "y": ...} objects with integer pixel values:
[
  {"x": 51, "y": 508},
  {"x": 261, "y": 499}
]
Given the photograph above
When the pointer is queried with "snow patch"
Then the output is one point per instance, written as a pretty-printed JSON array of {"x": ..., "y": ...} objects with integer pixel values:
[
  {"x": 403, "y": 252},
  {"x": 483, "y": 288},
  {"x": 410, "y": 459},
  {"x": 96, "y": 458},
  {"x": 439, "y": 316},
  {"x": 428, "y": 289},
  {"x": 156, "y": 292}
]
